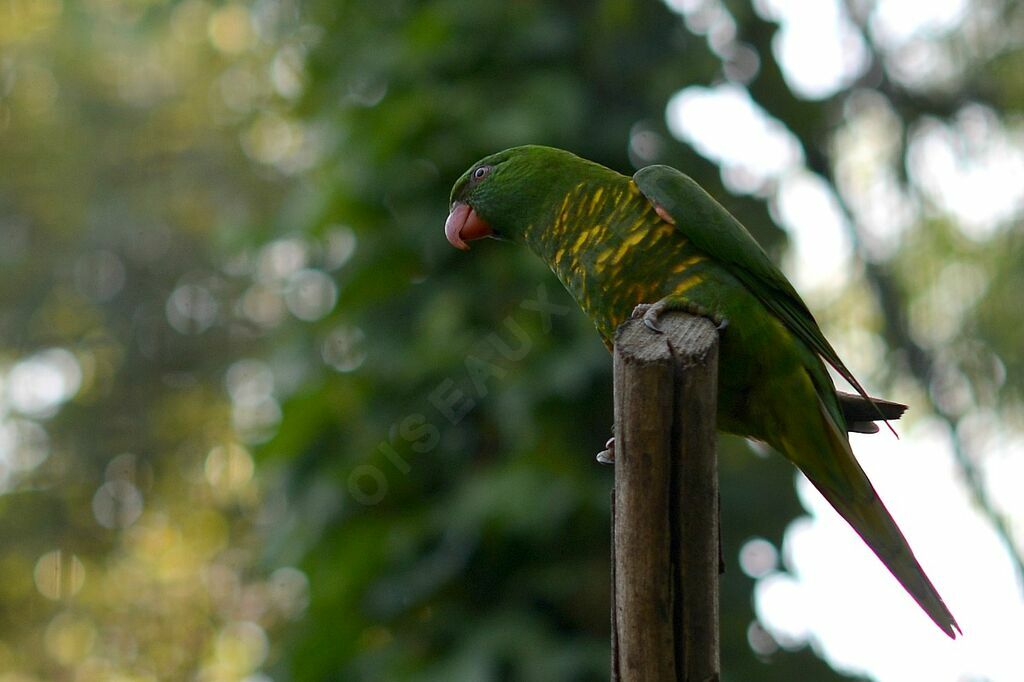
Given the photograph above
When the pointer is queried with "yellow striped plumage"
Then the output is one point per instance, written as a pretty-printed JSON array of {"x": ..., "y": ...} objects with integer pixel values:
[{"x": 594, "y": 234}]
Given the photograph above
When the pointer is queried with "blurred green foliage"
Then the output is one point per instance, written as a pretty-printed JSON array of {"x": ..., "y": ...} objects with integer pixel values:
[{"x": 257, "y": 417}]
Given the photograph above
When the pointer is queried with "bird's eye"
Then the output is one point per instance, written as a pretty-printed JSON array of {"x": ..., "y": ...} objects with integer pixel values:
[{"x": 481, "y": 172}]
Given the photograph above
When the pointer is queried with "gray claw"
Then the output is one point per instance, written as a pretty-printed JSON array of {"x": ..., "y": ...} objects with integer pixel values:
[
  {"x": 650, "y": 312},
  {"x": 722, "y": 325},
  {"x": 607, "y": 456},
  {"x": 650, "y": 321}
]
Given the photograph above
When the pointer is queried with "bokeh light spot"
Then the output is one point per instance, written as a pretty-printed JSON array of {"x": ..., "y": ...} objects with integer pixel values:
[
  {"x": 282, "y": 257},
  {"x": 228, "y": 468},
  {"x": 69, "y": 638},
  {"x": 117, "y": 504},
  {"x": 340, "y": 245},
  {"x": 724, "y": 124},
  {"x": 263, "y": 306},
  {"x": 58, "y": 574},
  {"x": 249, "y": 381},
  {"x": 286, "y": 72},
  {"x": 241, "y": 647},
  {"x": 289, "y": 591},
  {"x": 230, "y": 29},
  {"x": 256, "y": 422},
  {"x": 760, "y": 640},
  {"x": 343, "y": 348},
  {"x": 273, "y": 140},
  {"x": 24, "y": 444},
  {"x": 895, "y": 22},
  {"x": 38, "y": 384},
  {"x": 758, "y": 557},
  {"x": 129, "y": 467},
  {"x": 191, "y": 309},
  {"x": 819, "y": 49},
  {"x": 310, "y": 294}
]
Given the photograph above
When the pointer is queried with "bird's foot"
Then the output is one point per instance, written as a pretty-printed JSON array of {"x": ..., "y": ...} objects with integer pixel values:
[
  {"x": 650, "y": 312},
  {"x": 607, "y": 456}
]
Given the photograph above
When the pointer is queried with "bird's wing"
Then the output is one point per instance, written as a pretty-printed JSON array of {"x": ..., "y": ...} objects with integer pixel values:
[{"x": 715, "y": 231}]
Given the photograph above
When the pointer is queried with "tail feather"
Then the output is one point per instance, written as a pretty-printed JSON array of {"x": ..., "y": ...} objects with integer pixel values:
[
  {"x": 845, "y": 485},
  {"x": 860, "y": 414}
]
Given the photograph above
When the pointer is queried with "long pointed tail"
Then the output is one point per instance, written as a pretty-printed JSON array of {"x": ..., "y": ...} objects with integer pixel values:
[{"x": 847, "y": 488}]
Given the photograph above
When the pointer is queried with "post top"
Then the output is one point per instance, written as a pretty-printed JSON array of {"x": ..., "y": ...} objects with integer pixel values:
[{"x": 685, "y": 337}]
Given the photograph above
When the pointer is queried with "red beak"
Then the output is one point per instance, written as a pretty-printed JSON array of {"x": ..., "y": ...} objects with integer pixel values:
[{"x": 464, "y": 225}]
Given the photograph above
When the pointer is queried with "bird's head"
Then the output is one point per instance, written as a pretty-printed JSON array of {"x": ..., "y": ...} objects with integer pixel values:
[{"x": 502, "y": 194}]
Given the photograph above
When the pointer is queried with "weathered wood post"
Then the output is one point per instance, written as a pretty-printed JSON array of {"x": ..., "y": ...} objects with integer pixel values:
[{"x": 665, "y": 508}]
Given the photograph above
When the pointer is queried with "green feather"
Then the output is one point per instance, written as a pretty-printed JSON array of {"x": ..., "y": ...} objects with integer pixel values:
[{"x": 715, "y": 231}]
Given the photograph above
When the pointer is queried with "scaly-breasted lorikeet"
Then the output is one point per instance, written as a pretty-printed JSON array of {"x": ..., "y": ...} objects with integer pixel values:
[{"x": 640, "y": 246}]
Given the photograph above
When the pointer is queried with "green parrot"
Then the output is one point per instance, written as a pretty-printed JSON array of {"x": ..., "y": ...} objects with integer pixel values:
[{"x": 629, "y": 247}]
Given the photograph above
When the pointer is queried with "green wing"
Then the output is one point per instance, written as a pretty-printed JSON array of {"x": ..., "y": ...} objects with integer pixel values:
[{"x": 713, "y": 230}]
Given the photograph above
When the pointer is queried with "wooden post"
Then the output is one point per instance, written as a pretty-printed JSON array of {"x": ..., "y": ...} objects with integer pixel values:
[{"x": 665, "y": 546}]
